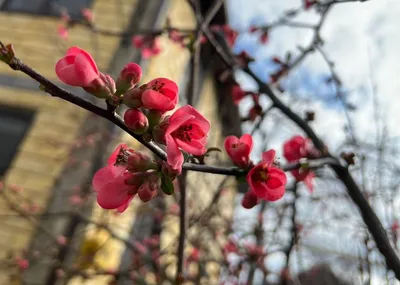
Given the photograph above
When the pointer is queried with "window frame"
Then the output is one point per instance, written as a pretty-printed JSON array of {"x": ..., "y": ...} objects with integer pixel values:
[
  {"x": 48, "y": 8},
  {"x": 26, "y": 117}
]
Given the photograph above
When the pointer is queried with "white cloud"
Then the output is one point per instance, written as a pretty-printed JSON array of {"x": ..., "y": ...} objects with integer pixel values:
[{"x": 363, "y": 39}]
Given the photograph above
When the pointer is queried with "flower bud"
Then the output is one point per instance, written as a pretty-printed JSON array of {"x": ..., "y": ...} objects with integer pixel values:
[
  {"x": 102, "y": 87},
  {"x": 249, "y": 200},
  {"x": 139, "y": 162},
  {"x": 129, "y": 76},
  {"x": 133, "y": 98},
  {"x": 159, "y": 131},
  {"x": 136, "y": 121},
  {"x": 148, "y": 190},
  {"x": 154, "y": 117},
  {"x": 168, "y": 171}
]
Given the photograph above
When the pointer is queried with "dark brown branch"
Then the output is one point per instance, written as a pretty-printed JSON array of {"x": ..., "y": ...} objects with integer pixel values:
[
  {"x": 182, "y": 228},
  {"x": 370, "y": 218},
  {"x": 56, "y": 91}
]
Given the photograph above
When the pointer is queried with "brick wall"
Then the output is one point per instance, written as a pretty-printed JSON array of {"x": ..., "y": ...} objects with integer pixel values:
[{"x": 46, "y": 148}]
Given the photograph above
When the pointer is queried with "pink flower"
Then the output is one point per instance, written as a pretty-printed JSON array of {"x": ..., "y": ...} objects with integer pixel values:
[
  {"x": 129, "y": 76},
  {"x": 237, "y": 94},
  {"x": 187, "y": 130},
  {"x": 295, "y": 148},
  {"x": 239, "y": 149},
  {"x": 110, "y": 184},
  {"x": 77, "y": 68},
  {"x": 136, "y": 121},
  {"x": 149, "y": 46},
  {"x": 22, "y": 263},
  {"x": 87, "y": 14},
  {"x": 161, "y": 94},
  {"x": 62, "y": 32},
  {"x": 266, "y": 181}
]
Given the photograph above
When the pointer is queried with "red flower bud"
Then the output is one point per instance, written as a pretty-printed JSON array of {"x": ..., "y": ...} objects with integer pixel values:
[
  {"x": 102, "y": 87},
  {"x": 129, "y": 76},
  {"x": 136, "y": 121},
  {"x": 148, "y": 190},
  {"x": 133, "y": 98},
  {"x": 249, "y": 200},
  {"x": 139, "y": 162}
]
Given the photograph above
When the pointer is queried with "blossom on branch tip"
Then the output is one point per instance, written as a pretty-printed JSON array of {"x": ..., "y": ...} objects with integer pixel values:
[
  {"x": 239, "y": 149},
  {"x": 266, "y": 181},
  {"x": 160, "y": 94},
  {"x": 188, "y": 130},
  {"x": 77, "y": 68},
  {"x": 110, "y": 184},
  {"x": 295, "y": 149}
]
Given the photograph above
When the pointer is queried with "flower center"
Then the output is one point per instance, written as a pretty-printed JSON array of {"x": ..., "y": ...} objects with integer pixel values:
[
  {"x": 263, "y": 176},
  {"x": 157, "y": 85},
  {"x": 237, "y": 145},
  {"x": 184, "y": 133}
]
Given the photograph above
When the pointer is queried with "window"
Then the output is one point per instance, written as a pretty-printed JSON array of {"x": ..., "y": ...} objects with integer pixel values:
[
  {"x": 14, "y": 123},
  {"x": 46, "y": 7}
]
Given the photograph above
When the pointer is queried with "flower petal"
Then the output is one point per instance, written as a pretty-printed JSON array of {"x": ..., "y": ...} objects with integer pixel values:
[
  {"x": 113, "y": 157},
  {"x": 174, "y": 155},
  {"x": 114, "y": 194},
  {"x": 155, "y": 100},
  {"x": 269, "y": 156},
  {"x": 102, "y": 177},
  {"x": 176, "y": 123},
  {"x": 194, "y": 147}
]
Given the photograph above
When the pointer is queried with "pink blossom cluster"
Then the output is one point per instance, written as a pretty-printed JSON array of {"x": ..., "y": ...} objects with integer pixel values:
[
  {"x": 266, "y": 180},
  {"x": 129, "y": 172},
  {"x": 66, "y": 22},
  {"x": 297, "y": 148}
]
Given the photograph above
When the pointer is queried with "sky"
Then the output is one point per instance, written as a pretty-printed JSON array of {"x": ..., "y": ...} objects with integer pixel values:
[
  {"x": 357, "y": 36},
  {"x": 362, "y": 38}
]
